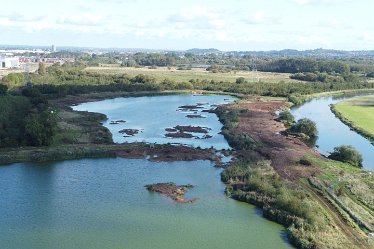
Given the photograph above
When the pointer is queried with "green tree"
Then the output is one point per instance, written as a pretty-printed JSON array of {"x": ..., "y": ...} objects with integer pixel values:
[
  {"x": 13, "y": 79},
  {"x": 3, "y": 89},
  {"x": 40, "y": 128},
  {"x": 305, "y": 126},
  {"x": 347, "y": 154},
  {"x": 41, "y": 69},
  {"x": 286, "y": 117}
]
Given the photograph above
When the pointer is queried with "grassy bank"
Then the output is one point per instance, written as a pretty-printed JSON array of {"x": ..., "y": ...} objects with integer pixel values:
[
  {"x": 298, "y": 99},
  {"x": 357, "y": 113}
]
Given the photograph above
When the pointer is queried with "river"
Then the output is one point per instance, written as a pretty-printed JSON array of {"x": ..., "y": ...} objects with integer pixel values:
[
  {"x": 102, "y": 203},
  {"x": 331, "y": 131}
]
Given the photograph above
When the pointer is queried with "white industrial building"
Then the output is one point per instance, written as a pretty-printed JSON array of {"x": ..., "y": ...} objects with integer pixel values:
[{"x": 9, "y": 62}]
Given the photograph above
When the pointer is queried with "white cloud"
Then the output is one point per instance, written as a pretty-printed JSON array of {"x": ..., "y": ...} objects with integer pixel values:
[
  {"x": 315, "y": 40},
  {"x": 318, "y": 2},
  {"x": 198, "y": 17},
  {"x": 83, "y": 19},
  {"x": 262, "y": 17},
  {"x": 368, "y": 37}
]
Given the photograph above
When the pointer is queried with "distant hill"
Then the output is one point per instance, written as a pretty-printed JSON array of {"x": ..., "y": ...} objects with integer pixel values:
[
  {"x": 315, "y": 53},
  {"x": 203, "y": 51}
]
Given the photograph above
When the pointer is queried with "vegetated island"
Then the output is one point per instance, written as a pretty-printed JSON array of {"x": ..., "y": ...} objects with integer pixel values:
[
  {"x": 173, "y": 191},
  {"x": 358, "y": 114}
]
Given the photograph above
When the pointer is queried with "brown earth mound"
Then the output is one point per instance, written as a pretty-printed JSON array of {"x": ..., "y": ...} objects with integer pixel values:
[
  {"x": 173, "y": 191},
  {"x": 285, "y": 152},
  {"x": 129, "y": 132},
  {"x": 179, "y": 135},
  {"x": 194, "y": 116},
  {"x": 193, "y": 129}
]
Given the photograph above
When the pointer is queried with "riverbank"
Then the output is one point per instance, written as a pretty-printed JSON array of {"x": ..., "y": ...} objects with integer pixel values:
[
  {"x": 152, "y": 152},
  {"x": 82, "y": 135},
  {"x": 357, "y": 113},
  {"x": 300, "y": 99},
  {"x": 280, "y": 174}
]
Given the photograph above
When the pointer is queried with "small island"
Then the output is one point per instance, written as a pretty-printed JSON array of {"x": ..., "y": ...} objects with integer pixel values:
[{"x": 173, "y": 191}]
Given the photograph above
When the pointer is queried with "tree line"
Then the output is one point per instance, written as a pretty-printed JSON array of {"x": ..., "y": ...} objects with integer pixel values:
[{"x": 26, "y": 119}]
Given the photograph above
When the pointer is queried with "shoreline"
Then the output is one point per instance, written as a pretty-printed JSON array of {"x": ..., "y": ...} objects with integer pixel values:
[
  {"x": 155, "y": 153},
  {"x": 283, "y": 170}
]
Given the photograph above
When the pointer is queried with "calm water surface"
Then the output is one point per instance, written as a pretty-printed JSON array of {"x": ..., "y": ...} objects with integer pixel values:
[
  {"x": 102, "y": 203},
  {"x": 333, "y": 132},
  {"x": 151, "y": 115}
]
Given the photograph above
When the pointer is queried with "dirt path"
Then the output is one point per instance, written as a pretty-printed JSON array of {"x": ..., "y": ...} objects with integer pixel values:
[{"x": 337, "y": 219}]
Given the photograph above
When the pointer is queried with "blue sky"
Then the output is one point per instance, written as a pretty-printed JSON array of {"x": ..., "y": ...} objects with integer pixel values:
[{"x": 222, "y": 24}]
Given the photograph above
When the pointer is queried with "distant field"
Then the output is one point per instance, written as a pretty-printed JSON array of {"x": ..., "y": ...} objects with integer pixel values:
[
  {"x": 162, "y": 73},
  {"x": 359, "y": 113},
  {"x": 32, "y": 68}
]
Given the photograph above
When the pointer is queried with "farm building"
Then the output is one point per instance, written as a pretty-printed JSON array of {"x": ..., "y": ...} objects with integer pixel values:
[{"x": 9, "y": 62}]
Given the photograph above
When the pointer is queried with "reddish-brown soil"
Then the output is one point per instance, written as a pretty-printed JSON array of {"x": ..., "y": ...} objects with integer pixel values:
[
  {"x": 173, "y": 191},
  {"x": 209, "y": 111},
  {"x": 171, "y": 130},
  {"x": 189, "y": 107},
  {"x": 163, "y": 153},
  {"x": 193, "y": 129},
  {"x": 129, "y": 132},
  {"x": 285, "y": 152},
  {"x": 179, "y": 135},
  {"x": 194, "y": 116}
]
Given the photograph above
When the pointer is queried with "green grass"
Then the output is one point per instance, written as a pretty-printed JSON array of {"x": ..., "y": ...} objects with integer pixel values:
[
  {"x": 162, "y": 73},
  {"x": 358, "y": 113}
]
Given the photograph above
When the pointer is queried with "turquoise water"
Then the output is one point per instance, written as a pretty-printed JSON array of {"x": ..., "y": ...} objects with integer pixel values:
[
  {"x": 102, "y": 203},
  {"x": 151, "y": 115},
  {"x": 331, "y": 131}
]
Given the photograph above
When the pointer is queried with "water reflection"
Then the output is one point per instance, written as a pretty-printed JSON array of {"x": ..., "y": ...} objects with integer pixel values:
[
  {"x": 331, "y": 131},
  {"x": 150, "y": 116},
  {"x": 102, "y": 203}
]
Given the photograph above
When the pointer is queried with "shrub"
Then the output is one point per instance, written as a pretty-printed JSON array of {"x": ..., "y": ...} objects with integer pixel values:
[
  {"x": 286, "y": 117},
  {"x": 305, "y": 162},
  {"x": 347, "y": 154},
  {"x": 305, "y": 126},
  {"x": 240, "y": 80},
  {"x": 370, "y": 75}
]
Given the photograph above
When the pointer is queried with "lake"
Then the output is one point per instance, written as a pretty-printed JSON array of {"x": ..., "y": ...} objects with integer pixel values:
[
  {"x": 152, "y": 115},
  {"x": 102, "y": 203}
]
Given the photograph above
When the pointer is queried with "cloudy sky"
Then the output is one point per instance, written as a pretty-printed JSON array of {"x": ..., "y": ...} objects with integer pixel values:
[{"x": 173, "y": 24}]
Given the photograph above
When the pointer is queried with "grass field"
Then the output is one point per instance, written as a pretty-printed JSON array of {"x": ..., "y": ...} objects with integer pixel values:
[
  {"x": 162, "y": 73},
  {"x": 359, "y": 113},
  {"x": 32, "y": 68}
]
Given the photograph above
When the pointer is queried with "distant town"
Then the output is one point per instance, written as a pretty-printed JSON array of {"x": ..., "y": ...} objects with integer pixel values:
[{"x": 20, "y": 58}]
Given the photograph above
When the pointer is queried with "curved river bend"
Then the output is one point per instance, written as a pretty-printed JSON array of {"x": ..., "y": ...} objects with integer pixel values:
[
  {"x": 102, "y": 203},
  {"x": 331, "y": 131}
]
